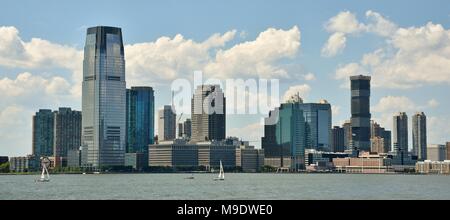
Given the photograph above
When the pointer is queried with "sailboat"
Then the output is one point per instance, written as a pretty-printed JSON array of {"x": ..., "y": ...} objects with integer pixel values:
[
  {"x": 44, "y": 178},
  {"x": 221, "y": 173}
]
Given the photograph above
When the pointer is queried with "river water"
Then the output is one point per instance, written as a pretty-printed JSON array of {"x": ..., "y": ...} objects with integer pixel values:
[{"x": 236, "y": 186}]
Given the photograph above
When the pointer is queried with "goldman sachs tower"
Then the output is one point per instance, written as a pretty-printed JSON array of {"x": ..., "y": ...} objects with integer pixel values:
[{"x": 104, "y": 98}]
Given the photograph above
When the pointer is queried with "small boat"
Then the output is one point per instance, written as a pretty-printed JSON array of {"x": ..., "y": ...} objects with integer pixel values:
[
  {"x": 221, "y": 173},
  {"x": 190, "y": 177},
  {"x": 96, "y": 172}
]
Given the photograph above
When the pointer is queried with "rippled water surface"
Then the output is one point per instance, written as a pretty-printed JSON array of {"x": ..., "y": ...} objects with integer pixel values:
[{"x": 236, "y": 186}]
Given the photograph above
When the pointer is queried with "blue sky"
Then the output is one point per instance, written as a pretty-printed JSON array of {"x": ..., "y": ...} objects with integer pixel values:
[{"x": 403, "y": 39}]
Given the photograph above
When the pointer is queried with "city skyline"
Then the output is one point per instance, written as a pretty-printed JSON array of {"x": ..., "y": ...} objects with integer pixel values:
[{"x": 54, "y": 77}]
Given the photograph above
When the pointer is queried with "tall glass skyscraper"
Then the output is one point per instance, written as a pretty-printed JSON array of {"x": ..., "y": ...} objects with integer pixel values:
[
  {"x": 140, "y": 119},
  {"x": 167, "y": 123},
  {"x": 419, "y": 135},
  {"x": 43, "y": 133},
  {"x": 104, "y": 101},
  {"x": 284, "y": 137},
  {"x": 360, "y": 108},
  {"x": 318, "y": 119}
]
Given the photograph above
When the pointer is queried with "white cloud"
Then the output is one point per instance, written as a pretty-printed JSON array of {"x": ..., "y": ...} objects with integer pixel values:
[
  {"x": 438, "y": 129},
  {"x": 169, "y": 58},
  {"x": 257, "y": 58},
  {"x": 309, "y": 76},
  {"x": 410, "y": 58},
  {"x": 15, "y": 123},
  {"x": 379, "y": 24},
  {"x": 344, "y": 22},
  {"x": 433, "y": 103},
  {"x": 335, "y": 44},
  {"x": 303, "y": 90},
  {"x": 391, "y": 104}
]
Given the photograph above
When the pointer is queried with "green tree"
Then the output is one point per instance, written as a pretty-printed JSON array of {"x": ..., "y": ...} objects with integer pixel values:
[{"x": 4, "y": 168}]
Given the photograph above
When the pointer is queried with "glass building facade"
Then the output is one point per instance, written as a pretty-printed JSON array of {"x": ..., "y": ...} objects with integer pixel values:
[
  {"x": 103, "y": 99},
  {"x": 140, "y": 119},
  {"x": 401, "y": 133},
  {"x": 286, "y": 137},
  {"x": 318, "y": 119},
  {"x": 43, "y": 133},
  {"x": 360, "y": 109}
]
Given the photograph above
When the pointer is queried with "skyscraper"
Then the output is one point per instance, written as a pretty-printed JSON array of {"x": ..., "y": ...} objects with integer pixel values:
[
  {"x": 419, "y": 135},
  {"x": 208, "y": 113},
  {"x": 140, "y": 119},
  {"x": 360, "y": 109},
  {"x": 284, "y": 138},
  {"x": 347, "y": 126},
  {"x": 337, "y": 143},
  {"x": 104, "y": 101},
  {"x": 401, "y": 132},
  {"x": 187, "y": 128},
  {"x": 318, "y": 118},
  {"x": 387, "y": 136},
  {"x": 67, "y": 131},
  {"x": 180, "y": 130},
  {"x": 43, "y": 133},
  {"x": 166, "y": 124}
]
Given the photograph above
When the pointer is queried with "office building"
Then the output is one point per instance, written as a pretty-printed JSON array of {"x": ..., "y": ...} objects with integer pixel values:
[
  {"x": 187, "y": 128},
  {"x": 24, "y": 164},
  {"x": 103, "y": 98},
  {"x": 140, "y": 121},
  {"x": 4, "y": 159},
  {"x": 401, "y": 132},
  {"x": 284, "y": 141},
  {"x": 338, "y": 139},
  {"x": 167, "y": 123},
  {"x": 387, "y": 137},
  {"x": 43, "y": 132},
  {"x": 448, "y": 151},
  {"x": 436, "y": 152},
  {"x": 377, "y": 145},
  {"x": 347, "y": 126},
  {"x": 74, "y": 158},
  {"x": 67, "y": 131},
  {"x": 251, "y": 159},
  {"x": 180, "y": 130},
  {"x": 419, "y": 135},
  {"x": 360, "y": 109},
  {"x": 208, "y": 112},
  {"x": 318, "y": 118}
]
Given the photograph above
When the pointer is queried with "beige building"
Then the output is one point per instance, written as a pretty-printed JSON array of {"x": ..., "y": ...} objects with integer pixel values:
[{"x": 434, "y": 167}]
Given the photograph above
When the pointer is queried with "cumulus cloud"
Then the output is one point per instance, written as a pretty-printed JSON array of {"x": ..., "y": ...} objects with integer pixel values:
[
  {"x": 410, "y": 58},
  {"x": 169, "y": 58},
  {"x": 334, "y": 45},
  {"x": 302, "y": 90},
  {"x": 344, "y": 22},
  {"x": 309, "y": 76}
]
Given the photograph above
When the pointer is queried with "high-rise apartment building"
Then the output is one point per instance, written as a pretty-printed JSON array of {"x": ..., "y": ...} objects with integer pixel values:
[
  {"x": 67, "y": 131},
  {"x": 400, "y": 132},
  {"x": 43, "y": 125},
  {"x": 419, "y": 135},
  {"x": 104, "y": 98},
  {"x": 187, "y": 128}
]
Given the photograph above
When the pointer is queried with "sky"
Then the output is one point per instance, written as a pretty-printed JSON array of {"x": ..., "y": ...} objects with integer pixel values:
[{"x": 312, "y": 47}]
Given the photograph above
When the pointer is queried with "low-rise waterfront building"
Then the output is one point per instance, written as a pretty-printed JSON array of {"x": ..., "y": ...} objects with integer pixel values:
[
  {"x": 74, "y": 158},
  {"x": 433, "y": 167},
  {"x": 365, "y": 163},
  {"x": 180, "y": 153},
  {"x": 23, "y": 164},
  {"x": 136, "y": 160},
  {"x": 436, "y": 152}
]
